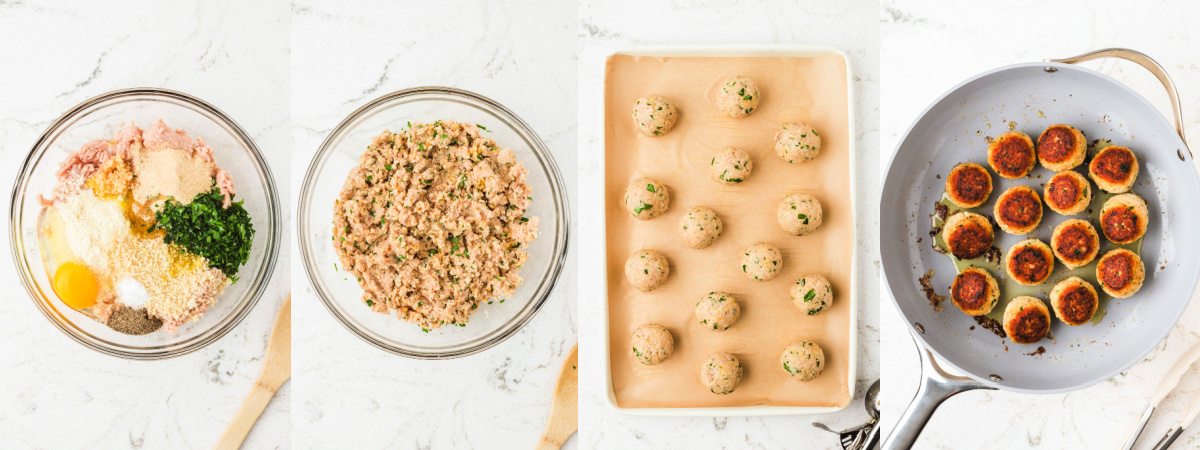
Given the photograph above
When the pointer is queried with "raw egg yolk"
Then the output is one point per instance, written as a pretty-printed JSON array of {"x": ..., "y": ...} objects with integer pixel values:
[{"x": 75, "y": 285}]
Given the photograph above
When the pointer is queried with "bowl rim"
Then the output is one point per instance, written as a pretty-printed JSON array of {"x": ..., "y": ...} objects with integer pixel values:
[
  {"x": 272, "y": 245},
  {"x": 558, "y": 261}
]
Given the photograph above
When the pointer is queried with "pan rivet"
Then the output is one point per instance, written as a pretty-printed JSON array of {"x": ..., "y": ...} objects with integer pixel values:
[
  {"x": 920, "y": 328},
  {"x": 1050, "y": 69},
  {"x": 995, "y": 377}
]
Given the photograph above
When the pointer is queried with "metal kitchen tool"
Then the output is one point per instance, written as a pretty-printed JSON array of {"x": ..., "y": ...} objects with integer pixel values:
[
  {"x": 1168, "y": 383},
  {"x": 865, "y": 436}
]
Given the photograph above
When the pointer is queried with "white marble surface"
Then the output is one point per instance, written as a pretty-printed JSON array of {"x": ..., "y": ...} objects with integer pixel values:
[
  {"x": 930, "y": 46},
  {"x": 519, "y": 53},
  {"x": 55, "y": 393},
  {"x": 605, "y": 27}
]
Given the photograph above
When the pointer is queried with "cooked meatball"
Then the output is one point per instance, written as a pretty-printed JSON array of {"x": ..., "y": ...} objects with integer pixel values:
[
  {"x": 967, "y": 235},
  {"x": 1026, "y": 320},
  {"x": 1068, "y": 193},
  {"x": 721, "y": 373},
  {"x": 699, "y": 227},
  {"x": 1120, "y": 273},
  {"x": 1124, "y": 218},
  {"x": 646, "y": 199},
  {"x": 1012, "y": 155},
  {"x": 1061, "y": 147},
  {"x": 975, "y": 292},
  {"x": 646, "y": 270},
  {"x": 654, "y": 116},
  {"x": 803, "y": 360},
  {"x": 799, "y": 214},
  {"x": 762, "y": 261},
  {"x": 731, "y": 166},
  {"x": 718, "y": 311},
  {"x": 1029, "y": 262},
  {"x": 969, "y": 185},
  {"x": 1075, "y": 243},
  {"x": 1018, "y": 210},
  {"x": 1114, "y": 169},
  {"x": 738, "y": 96},
  {"x": 812, "y": 294},
  {"x": 652, "y": 344},
  {"x": 797, "y": 142},
  {"x": 1074, "y": 301}
]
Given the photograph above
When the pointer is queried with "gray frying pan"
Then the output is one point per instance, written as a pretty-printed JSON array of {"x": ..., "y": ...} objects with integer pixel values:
[{"x": 1031, "y": 97}]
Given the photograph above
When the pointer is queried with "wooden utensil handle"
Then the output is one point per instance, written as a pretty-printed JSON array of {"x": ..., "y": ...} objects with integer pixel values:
[
  {"x": 556, "y": 434},
  {"x": 254, "y": 405}
]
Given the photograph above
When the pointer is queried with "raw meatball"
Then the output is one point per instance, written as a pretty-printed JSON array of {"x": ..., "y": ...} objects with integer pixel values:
[
  {"x": 969, "y": 185},
  {"x": 967, "y": 235},
  {"x": 1061, "y": 147},
  {"x": 799, "y": 214},
  {"x": 1075, "y": 243},
  {"x": 1068, "y": 193},
  {"x": 699, "y": 227},
  {"x": 1018, "y": 210},
  {"x": 738, "y": 96},
  {"x": 718, "y": 310},
  {"x": 797, "y": 142},
  {"x": 652, "y": 344},
  {"x": 646, "y": 270},
  {"x": 975, "y": 292},
  {"x": 653, "y": 116},
  {"x": 803, "y": 360},
  {"x": 762, "y": 261},
  {"x": 812, "y": 294},
  {"x": 1026, "y": 320},
  {"x": 646, "y": 199},
  {"x": 1124, "y": 218},
  {"x": 1114, "y": 169},
  {"x": 731, "y": 166},
  {"x": 1121, "y": 273},
  {"x": 1074, "y": 301},
  {"x": 1029, "y": 262},
  {"x": 1012, "y": 155},
  {"x": 721, "y": 373}
]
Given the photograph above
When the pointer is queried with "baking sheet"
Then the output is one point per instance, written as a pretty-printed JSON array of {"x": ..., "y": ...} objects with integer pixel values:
[{"x": 812, "y": 89}]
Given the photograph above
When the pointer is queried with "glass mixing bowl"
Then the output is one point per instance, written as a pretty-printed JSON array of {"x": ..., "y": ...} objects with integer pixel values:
[
  {"x": 100, "y": 117},
  {"x": 491, "y": 324}
]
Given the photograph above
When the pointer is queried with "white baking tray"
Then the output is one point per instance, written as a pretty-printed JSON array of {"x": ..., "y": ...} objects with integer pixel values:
[{"x": 742, "y": 51}]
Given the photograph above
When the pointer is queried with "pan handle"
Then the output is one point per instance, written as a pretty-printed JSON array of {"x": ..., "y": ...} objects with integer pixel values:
[
  {"x": 1149, "y": 64},
  {"x": 936, "y": 387}
]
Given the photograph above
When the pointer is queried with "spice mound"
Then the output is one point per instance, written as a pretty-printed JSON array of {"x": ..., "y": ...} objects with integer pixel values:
[
  {"x": 432, "y": 223},
  {"x": 143, "y": 231}
]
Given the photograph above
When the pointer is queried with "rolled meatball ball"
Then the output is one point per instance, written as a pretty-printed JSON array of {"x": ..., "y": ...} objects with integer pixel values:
[
  {"x": 721, "y": 373},
  {"x": 1124, "y": 218},
  {"x": 652, "y": 344},
  {"x": 646, "y": 199},
  {"x": 718, "y": 311},
  {"x": 969, "y": 185},
  {"x": 762, "y": 261},
  {"x": 737, "y": 97},
  {"x": 1068, "y": 193},
  {"x": 646, "y": 270},
  {"x": 1074, "y": 301},
  {"x": 699, "y": 227},
  {"x": 975, "y": 292},
  {"x": 1114, "y": 169},
  {"x": 799, "y": 214},
  {"x": 1018, "y": 210},
  {"x": 967, "y": 235},
  {"x": 811, "y": 294},
  {"x": 1026, "y": 320},
  {"x": 654, "y": 116},
  {"x": 1029, "y": 262},
  {"x": 797, "y": 142},
  {"x": 1075, "y": 243},
  {"x": 731, "y": 166},
  {"x": 1120, "y": 273},
  {"x": 1061, "y": 147},
  {"x": 803, "y": 360},
  {"x": 1012, "y": 155}
]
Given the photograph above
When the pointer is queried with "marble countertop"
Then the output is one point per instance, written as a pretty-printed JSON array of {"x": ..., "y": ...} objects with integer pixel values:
[
  {"x": 345, "y": 390},
  {"x": 55, "y": 393},
  {"x": 605, "y": 27},
  {"x": 929, "y": 47}
]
